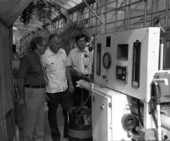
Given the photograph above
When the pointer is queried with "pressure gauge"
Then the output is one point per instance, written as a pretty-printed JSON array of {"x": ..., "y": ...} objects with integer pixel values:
[{"x": 107, "y": 60}]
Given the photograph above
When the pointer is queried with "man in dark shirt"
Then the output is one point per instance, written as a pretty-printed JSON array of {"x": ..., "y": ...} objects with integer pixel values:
[{"x": 31, "y": 86}]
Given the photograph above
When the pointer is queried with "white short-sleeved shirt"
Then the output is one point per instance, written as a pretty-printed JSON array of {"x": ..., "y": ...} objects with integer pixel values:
[
  {"x": 81, "y": 60},
  {"x": 55, "y": 66}
]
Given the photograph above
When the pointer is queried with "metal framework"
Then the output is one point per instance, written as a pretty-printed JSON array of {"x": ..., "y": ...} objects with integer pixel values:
[{"x": 115, "y": 15}]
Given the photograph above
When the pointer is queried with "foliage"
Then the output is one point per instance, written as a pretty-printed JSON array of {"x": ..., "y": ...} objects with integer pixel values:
[
  {"x": 42, "y": 8},
  {"x": 72, "y": 29},
  {"x": 26, "y": 14}
]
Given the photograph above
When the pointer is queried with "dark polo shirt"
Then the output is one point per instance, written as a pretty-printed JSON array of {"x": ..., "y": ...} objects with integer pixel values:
[{"x": 30, "y": 70}]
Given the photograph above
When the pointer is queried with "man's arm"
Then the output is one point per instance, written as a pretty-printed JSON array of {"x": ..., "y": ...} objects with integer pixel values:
[
  {"x": 69, "y": 79},
  {"x": 68, "y": 74},
  {"x": 23, "y": 70},
  {"x": 74, "y": 72},
  {"x": 69, "y": 64},
  {"x": 20, "y": 83}
]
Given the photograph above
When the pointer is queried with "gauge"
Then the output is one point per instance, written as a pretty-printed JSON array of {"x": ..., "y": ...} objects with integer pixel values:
[{"x": 107, "y": 60}]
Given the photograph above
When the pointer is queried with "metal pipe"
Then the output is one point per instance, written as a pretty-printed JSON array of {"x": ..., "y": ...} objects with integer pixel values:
[
  {"x": 145, "y": 13},
  {"x": 84, "y": 84},
  {"x": 161, "y": 55},
  {"x": 116, "y": 11},
  {"x": 92, "y": 11},
  {"x": 167, "y": 14},
  {"x": 128, "y": 15},
  {"x": 158, "y": 109}
]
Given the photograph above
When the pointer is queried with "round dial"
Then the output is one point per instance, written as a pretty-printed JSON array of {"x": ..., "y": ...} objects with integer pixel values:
[{"x": 107, "y": 60}]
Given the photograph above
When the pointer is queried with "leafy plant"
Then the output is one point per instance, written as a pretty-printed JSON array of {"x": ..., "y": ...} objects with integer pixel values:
[
  {"x": 72, "y": 29},
  {"x": 26, "y": 15},
  {"x": 43, "y": 10}
]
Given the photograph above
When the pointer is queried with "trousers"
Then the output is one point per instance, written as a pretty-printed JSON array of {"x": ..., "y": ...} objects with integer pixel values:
[
  {"x": 65, "y": 99},
  {"x": 34, "y": 114}
]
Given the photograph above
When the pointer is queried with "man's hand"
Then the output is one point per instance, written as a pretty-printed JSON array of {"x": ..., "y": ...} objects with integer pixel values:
[
  {"x": 47, "y": 98},
  {"x": 21, "y": 101},
  {"x": 71, "y": 87}
]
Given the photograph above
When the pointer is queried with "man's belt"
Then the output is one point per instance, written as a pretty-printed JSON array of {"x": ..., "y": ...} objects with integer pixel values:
[{"x": 35, "y": 86}]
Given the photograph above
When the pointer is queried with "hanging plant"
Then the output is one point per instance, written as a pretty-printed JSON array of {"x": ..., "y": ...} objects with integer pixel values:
[
  {"x": 43, "y": 9},
  {"x": 26, "y": 15}
]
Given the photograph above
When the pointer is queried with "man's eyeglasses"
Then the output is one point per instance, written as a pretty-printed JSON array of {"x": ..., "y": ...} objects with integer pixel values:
[{"x": 81, "y": 41}]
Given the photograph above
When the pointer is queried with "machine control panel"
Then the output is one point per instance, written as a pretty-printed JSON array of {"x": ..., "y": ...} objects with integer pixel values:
[
  {"x": 121, "y": 73},
  {"x": 127, "y": 61},
  {"x": 136, "y": 64},
  {"x": 107, "y": 60},
  {"x": 122, "y": 52}
]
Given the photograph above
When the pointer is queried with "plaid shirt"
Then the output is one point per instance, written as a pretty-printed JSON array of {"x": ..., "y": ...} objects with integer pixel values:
[{"x": 81, "y": 60}]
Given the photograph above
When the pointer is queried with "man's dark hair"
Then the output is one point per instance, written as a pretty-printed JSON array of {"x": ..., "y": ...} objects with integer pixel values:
[
  {"x": 53, "y": 36},
  {"x": 81, "y": 36},
  {"x": 36, "y": 40}
]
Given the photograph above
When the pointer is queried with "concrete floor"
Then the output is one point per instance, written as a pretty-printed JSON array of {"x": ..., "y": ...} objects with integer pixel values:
[{"x": 47, "y": 129}]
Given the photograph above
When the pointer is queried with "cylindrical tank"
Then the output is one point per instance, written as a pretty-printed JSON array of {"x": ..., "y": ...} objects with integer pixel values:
[
  {"x": 165, "y": 121},
  {"x": 80, "y": 125}
]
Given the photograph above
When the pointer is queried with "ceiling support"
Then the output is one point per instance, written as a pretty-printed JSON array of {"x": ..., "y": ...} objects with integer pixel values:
[
  {"x": 92, "y": 11},
  {"x": 56, "y": 2},
  {"x": 3, "y": 22}
]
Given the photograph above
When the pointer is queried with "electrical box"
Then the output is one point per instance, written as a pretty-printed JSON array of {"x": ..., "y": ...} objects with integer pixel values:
[
  {"x": 108, "y": 108},
  {"x": 164, "y": 88}
]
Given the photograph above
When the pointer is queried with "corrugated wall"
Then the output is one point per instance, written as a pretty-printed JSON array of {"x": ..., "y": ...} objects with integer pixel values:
[
  {"x": 9, "y": 12},
  {"x": 6, "y": 86}
]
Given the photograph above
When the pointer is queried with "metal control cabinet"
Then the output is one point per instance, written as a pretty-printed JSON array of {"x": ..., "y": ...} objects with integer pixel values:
[{"x": 108, "y": 108}]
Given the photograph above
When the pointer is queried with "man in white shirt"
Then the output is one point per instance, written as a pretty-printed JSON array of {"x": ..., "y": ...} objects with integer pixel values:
[
  {"x": 79, "y": 63},
  {"x": 54, "y": 63}
]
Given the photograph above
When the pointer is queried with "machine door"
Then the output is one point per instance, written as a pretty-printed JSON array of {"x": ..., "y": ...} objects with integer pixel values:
[{"x": 101, "y": 117}]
